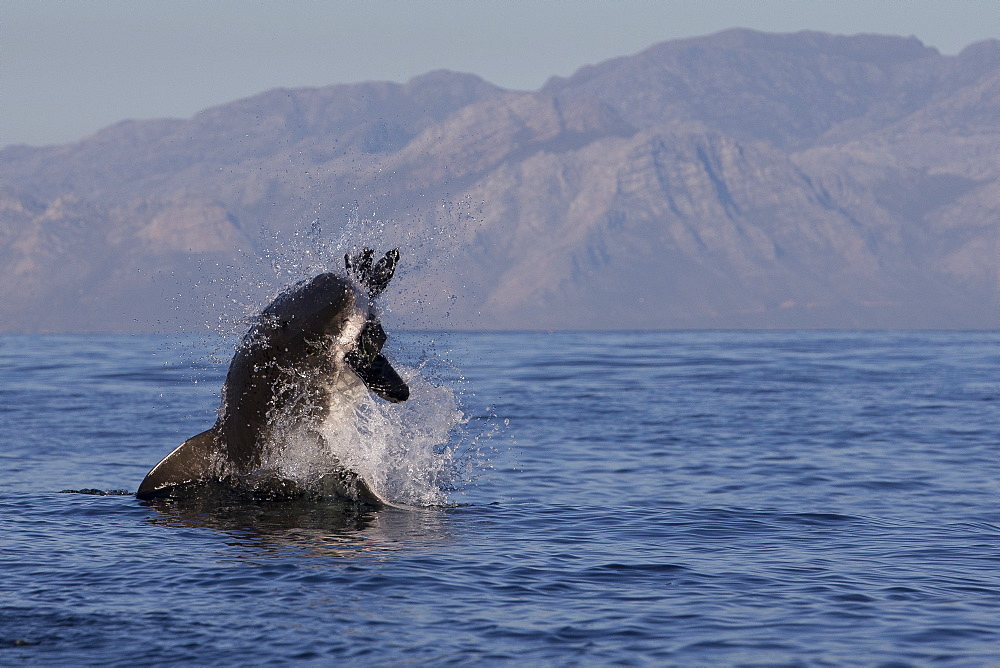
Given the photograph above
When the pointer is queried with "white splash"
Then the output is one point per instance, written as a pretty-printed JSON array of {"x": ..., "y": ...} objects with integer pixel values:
[
  {"x": 402, "y": 450},
  {"x": 412, "y": 453}
]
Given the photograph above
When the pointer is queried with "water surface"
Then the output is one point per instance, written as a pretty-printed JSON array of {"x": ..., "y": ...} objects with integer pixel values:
[{"x": 656, "y": 498}]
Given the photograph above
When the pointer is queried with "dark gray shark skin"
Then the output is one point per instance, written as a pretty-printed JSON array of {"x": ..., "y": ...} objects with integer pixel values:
[{"x": 279, "y": 376}]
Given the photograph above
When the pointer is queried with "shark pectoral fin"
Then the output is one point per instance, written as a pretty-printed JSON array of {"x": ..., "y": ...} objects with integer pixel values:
[
  {"x": 191, "y": 461},
  {"x": 347, "y": 485},
  {"x": 382, "y": 379}
]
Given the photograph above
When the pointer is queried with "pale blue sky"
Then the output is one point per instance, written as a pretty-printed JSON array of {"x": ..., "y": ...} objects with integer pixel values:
[{"x": 69, "y": 68}]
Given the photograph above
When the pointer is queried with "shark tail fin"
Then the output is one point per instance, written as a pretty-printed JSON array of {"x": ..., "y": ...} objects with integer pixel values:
[
  {"x": 374, "y": 276},
  {"x": 192, "y": 461}
]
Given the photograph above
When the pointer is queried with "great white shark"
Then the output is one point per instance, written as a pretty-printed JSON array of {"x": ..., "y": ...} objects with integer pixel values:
[{"x": 311, "y": 343}]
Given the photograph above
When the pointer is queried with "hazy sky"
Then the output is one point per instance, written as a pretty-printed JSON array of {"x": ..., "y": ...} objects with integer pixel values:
[{"x": 69, "y": 68}]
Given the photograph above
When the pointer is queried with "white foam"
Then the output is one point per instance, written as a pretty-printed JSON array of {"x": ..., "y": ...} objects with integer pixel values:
[{"x": 402, "y": 451}]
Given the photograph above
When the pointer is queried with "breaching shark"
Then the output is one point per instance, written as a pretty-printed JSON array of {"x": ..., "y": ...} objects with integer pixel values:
[{"x": 310, "y": 344}]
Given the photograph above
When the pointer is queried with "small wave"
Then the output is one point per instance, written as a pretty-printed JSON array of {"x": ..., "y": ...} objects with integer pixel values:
[{"x": 97, "y": 492}]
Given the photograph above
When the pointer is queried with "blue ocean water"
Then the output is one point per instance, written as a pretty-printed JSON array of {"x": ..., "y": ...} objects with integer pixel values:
[{"x": 678, "y": 498}]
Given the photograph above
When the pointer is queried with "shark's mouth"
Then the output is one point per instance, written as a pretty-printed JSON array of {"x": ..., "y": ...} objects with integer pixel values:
[{"x": 372, "y": 367}]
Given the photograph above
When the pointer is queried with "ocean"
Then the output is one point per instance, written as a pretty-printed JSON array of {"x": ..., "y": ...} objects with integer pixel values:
[{"x": 586, "y": 498}]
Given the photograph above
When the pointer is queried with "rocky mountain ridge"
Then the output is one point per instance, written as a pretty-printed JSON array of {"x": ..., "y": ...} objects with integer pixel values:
[{"x": 736, "y": 180}]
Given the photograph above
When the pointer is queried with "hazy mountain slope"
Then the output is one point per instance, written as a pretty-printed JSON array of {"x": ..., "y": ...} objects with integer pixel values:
[{"x": 740, "y": 179}]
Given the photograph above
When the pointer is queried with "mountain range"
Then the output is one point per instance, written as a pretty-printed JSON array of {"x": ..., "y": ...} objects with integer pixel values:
[{"x": 740, "y": 179}]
